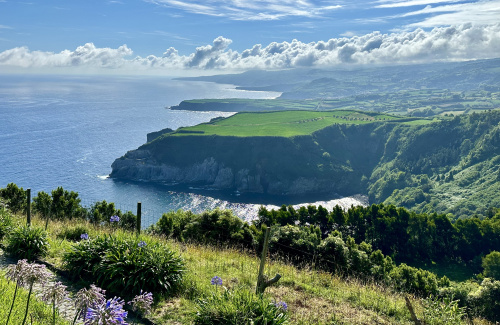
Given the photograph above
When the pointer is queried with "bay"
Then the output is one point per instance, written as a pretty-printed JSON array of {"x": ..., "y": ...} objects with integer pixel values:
[{"x": 67, "y": 130}]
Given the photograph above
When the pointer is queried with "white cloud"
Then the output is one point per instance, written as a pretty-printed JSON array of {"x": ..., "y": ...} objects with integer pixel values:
[
  {"x": 483, "y": 12},
  {"x": 86, "y": 55},
  {"x": 460, "y": 42},
  {"x": 410, "y": 3},
  {"x": 249, "y": 10}
]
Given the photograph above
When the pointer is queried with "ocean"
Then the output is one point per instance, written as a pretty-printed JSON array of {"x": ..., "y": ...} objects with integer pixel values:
[{"x": 67, "y": 131}]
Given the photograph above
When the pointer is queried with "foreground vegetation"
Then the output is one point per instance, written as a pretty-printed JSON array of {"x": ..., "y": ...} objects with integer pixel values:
[{"x": 202, "y": 268}]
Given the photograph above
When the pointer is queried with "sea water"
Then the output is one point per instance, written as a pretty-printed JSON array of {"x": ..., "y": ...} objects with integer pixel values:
[{"x": 67, "y": 131}]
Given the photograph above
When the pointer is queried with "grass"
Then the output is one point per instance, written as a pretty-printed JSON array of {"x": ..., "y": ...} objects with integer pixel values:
[
  {"x": 286, "y": 124},
  {"x": 313, "y": 297},
  {"x": 39, "y": 313}
]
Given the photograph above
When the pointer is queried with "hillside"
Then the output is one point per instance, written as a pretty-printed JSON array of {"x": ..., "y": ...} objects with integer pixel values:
[{"x": 446, "y": 166}]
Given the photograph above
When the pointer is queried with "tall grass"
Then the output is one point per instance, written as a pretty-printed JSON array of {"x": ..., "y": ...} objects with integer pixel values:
[{"x": 313, "y": 297}]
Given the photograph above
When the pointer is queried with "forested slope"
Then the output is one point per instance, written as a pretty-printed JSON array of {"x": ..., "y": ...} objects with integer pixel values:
[{"x": 450, "y": 165}]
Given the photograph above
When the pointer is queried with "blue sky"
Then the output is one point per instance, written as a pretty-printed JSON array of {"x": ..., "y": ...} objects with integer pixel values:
[{"x": 209, "y": 34}]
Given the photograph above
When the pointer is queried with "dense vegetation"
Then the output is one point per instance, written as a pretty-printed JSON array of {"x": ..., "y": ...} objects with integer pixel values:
[
  {"x": 448, "y": 166},
  {"x": 351, "y": 244}
]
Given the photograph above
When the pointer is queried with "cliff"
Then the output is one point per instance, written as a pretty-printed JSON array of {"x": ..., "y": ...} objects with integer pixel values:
[
  {"x": 332, "y": 160},
  {"x": 449, "y": 166}
]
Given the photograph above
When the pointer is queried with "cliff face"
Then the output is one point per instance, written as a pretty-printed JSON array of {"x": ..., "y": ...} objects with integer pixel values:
[{"x": 330, "y": 161}]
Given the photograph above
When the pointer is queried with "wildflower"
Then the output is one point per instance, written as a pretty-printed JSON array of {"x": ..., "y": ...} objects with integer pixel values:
[
  {"x": 35, "y": 273},
  {"x": 217, "y": 281},
  {"x": 16, "y": 272},
  {"x": 281, "y": 305},
  {"x": 110, "y": 313},
  {"x": 142, "y": 302},
  {"x": 142, "y": 243},
  {"x": 85, "y": 298},
  {"x": 55, "y": 293},
  {"x": 84, "y": 236},
  {"x": 114, "y": 219}
]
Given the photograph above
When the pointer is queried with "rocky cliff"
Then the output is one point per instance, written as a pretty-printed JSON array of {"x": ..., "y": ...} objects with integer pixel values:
[{"x": 333, "y": 160}]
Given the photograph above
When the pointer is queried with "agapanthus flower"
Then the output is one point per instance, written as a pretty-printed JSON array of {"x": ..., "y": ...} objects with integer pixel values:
[
  {"x": 35, "y": 273},
  {"x": 108, "y": 313},
  {"x": 281, "y": 305},
  {"x": 142, "y": 243},
  {"x": 114, "y": 219},
  {"x": 216, "y": 280},
  {"x": 142, "y": 302},
  {"x": 15, "y": 272},
  {"x": 55, "y": 293},
  {"x": 86, "y": 297},
  {"x": 84, "y": 236}
]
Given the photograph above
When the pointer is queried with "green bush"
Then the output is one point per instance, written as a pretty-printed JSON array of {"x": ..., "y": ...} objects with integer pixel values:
[
  {"x": 486, "y": 301},
  {"x": 237, "y": 307},
  {"x": 442, "y": 311},
  {"x": 6, "y": 223},
  {"x": 15, "y": 196},
  {"x": 491, "y": 265},
  {"x": 409, "y": 279},
  {"x": 28, "y": 242},
  {"x": 125, "y": 266}
]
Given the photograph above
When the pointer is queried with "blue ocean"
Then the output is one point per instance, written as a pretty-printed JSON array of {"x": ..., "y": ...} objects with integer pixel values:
[{"x": 67, "y": 131}]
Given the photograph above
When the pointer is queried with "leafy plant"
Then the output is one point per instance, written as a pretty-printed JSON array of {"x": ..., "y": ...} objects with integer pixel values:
[
  {"x": 442, "y": 312},
  {"x": 28, "y": 242},
  {"x": 6, "y": 223},
  {"x": 126, "y": 265},
  {"x": 239, "y": 306}
]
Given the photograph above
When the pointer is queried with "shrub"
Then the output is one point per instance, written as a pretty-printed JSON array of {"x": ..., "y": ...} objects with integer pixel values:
[
  {"x": 172, "y": 224},
  {"x": 442, "y": 311},
  {"x": 15, "y": 196},
  {"x": 6, "y": 223},
  {"x": 413, "y": 280},
  {"x": 28, "y": 242},
  {"x": 239, "y": 306},
  {"x": 126, "y": 265},
  {"x": 486, "y": 301},
  {"x": 491, "y": 265}
]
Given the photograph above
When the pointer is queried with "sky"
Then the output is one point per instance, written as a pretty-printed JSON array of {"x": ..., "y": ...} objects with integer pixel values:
[{"x": 179, "y": 37}]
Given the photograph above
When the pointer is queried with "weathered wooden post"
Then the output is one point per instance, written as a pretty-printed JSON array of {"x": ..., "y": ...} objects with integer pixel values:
[
  {"x": 28, "y": 206},
  {"x": 262, "y": 283},
  {"x": 138, "y": 224}
]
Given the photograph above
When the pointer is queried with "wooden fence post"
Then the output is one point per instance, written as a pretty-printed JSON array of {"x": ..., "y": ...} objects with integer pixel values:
[
  {"x": 28, "y": 206},
  {"x": 262, "y": 283},
  {"x": 139, "y": 212}
]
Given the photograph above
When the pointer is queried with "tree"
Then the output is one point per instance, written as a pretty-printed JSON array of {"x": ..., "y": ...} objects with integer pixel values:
[
  {"x": 15, "y": 196},
  {"x": 42, "y": 204},
  {"x": 491, "y": 265}
]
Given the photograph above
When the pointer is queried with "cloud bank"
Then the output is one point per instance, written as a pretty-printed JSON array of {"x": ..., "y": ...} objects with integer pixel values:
[{"x": 455, "y": 43}]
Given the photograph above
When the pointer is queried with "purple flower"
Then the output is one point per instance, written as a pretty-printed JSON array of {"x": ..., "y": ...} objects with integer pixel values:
[
  {"x": 85, "y": 298},
  {"x": 84, "y": 236},
  {"x": 114, "y": 219},
  {"x": 217, "y": 281},
  {"x": 55, "y": 293},
  {"x": 142, "y": 302},
  {"x": 109, "y": 313},
  {"x": 142, "y": 243},
  {"x": 281, "y": 305}
]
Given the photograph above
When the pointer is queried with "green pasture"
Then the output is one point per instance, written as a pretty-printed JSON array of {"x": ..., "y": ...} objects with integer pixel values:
[{"x": 286, "y": 124}]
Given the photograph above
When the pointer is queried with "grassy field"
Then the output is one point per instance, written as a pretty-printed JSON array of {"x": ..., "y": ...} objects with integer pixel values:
[
  {"x": 286, "y": 124},
  {"x": 313, "y": 297}
]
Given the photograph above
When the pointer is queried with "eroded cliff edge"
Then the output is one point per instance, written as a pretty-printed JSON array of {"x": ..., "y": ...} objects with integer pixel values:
[{"x": 337, "y": 159}]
